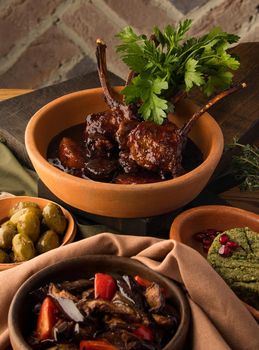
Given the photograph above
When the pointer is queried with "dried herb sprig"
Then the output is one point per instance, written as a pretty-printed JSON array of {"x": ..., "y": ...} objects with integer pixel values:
[{"x": 245, "y": 165}]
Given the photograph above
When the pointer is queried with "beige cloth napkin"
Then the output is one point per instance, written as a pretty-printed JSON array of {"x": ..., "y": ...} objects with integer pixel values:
[{"x": 219, "y": 319}]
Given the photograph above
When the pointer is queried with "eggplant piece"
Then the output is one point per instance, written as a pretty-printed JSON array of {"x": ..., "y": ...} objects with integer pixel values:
[
  {"x": 131, "y": 291},
  {"x": 38, "y": 295},
  {"x": 165, "y": 321},
  {"x": 114, "y": 323},
  {"x": 123, "y": 339},
  {"x": 155, "y": 297},
  {"x": 63, "y": 330},
  {"x": 64, "y": 347},
  {"x": 77, "y": 286},
  {"x": 88, "y": 294},
  {"x": 66, "y": 303},
  {"x": 120, "y": 309},
  {"x": 55, "y": 292}
]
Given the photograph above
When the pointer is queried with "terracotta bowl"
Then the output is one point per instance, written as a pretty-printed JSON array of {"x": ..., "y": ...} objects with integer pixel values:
[
  {"x": 19, "y": 319},
  {"x": 7, "y": 203},
  {"x": 124, "y": 201},
  {"x": 217, "y": 217}
]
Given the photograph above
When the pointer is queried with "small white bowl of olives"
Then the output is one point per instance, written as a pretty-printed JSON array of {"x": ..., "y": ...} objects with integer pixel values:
[{"x": 30, "y": 226}]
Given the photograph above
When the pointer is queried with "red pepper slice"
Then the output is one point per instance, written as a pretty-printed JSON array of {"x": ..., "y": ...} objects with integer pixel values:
[
  {"x": 142, "y": 281},
  {"x": 144, "y": 332},
  {"x": 46, "y": 319},
  {"x": 96, "y": 345},
  {"x": 104, "y": 286}
]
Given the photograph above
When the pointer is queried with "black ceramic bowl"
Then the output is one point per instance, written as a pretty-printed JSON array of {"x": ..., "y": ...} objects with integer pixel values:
[{"x": 19, "y": 318}]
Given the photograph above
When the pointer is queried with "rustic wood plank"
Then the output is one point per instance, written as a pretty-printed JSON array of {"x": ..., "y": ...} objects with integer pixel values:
[
  {"x": 9, "y": 93},
  {"x": 244, "y": 200},
  {"x": 236, "y": 113}
]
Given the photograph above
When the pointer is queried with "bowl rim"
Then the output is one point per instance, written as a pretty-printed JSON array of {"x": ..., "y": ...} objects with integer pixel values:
[
  {"x": 71, "y": 222},
  {"x": 205, "y": 209},
  {"x": 36, "y": 157},
  {"x": 184, "y": 306}
]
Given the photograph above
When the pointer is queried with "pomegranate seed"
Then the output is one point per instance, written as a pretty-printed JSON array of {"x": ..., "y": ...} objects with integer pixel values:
[
  {"x": 223, "y": 239},
  {"x": 200, "y": 236},
  {"x": 232, "y": 244},
  {"x": 224, "y": 251},
  {"x": 207, "y": 241},
  {"x": 212, "y": 232},
  {"x": 206, "y": 249}
]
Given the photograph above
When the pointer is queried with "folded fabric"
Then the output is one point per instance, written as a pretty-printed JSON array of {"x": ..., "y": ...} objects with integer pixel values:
[
  {"x": 13, "y": 177},
  {"x": 219, "y": 319}
]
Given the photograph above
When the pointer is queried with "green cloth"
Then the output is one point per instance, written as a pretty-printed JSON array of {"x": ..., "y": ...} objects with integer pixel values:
[
  {"x": 20, "y": 181},
  {"x": 14, "y": 178}
]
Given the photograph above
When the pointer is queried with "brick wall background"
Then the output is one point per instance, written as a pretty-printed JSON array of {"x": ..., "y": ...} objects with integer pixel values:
[{"x": 46, "y": 41}]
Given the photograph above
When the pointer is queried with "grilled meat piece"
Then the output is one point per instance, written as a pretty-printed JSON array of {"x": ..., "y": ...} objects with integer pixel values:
[
  {"x": 141, "y": 177},
  {"x": 71, "y": 154},
  {"x": 156, "y": 148},
  {"x": 101, "y": 128},
  {"x": 99, "y": 134},
  {"x": 101, "y": 168}
]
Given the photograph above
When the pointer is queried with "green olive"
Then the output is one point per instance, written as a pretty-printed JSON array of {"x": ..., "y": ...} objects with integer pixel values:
[
  {"x": 7, "y": 232},
  {"x": 54, "y": 218},
  {"x": 23, "y": 248},
  {"x": 23, "y": 205},
  {"x": 49, "y": 240},
  {"x": 4, "y": 258},
  {"x": 16, "y": 216},
  {"x": 29, "y": 224}
]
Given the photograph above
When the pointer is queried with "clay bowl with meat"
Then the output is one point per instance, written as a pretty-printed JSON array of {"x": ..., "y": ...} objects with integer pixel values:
[
  {"x": 111, "y": 301},
  {"x": 112, "y": 199},
  {"x": 20, "y": 251}
]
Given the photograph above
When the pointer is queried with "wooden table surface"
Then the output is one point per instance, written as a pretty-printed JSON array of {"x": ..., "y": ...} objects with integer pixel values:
[{"x": 244, "y": 109}]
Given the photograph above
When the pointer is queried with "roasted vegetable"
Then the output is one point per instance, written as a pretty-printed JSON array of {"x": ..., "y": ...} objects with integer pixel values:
[
  {"x": 46, "y": 319},
  {"x": 72, "y": 317},
  {"x": 104, "y": 286}
]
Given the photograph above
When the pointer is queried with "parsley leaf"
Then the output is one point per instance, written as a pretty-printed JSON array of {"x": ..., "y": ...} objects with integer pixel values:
[
  {"x": 169, "y": 63},
  {"x": 153, "y": 107},
  {"x": 192, "y": 75}
]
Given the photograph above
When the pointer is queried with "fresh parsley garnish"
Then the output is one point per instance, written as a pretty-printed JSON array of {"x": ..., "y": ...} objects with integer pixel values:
[{"x": 168, "y": 62}]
